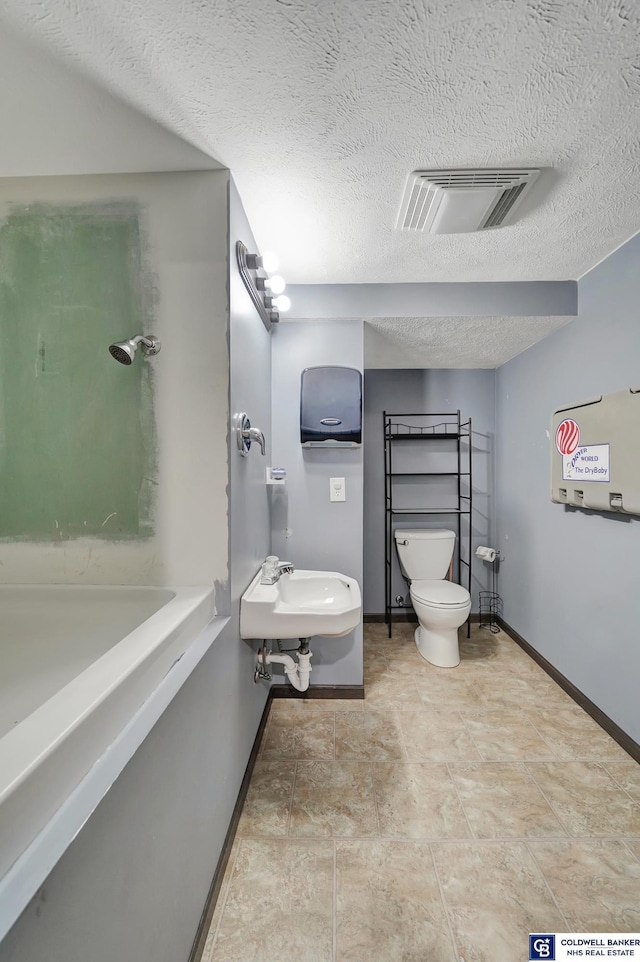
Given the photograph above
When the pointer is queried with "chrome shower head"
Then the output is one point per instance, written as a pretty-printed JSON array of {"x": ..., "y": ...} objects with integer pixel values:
[{"x": 125, "y": 351}]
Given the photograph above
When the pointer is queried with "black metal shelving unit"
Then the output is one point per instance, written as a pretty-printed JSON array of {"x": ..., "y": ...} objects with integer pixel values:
[{"x": 400, "y": 431}]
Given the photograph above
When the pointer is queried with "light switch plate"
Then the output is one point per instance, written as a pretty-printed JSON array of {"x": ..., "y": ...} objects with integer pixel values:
[{"x": 337, "y": 490}]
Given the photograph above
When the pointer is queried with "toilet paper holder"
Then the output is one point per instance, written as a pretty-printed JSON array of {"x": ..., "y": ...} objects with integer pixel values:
[
  {"x": 490, "y": 602},
  {"x": 487, "y": 554}
]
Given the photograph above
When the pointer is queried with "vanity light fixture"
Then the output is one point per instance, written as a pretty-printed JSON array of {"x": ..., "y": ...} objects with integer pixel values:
[
  {"x": 268, "y": 262},
  {"x": 264, "y": 289},
  {"x": 282, "y": 303},
  {"x": 275, "y": 284}
]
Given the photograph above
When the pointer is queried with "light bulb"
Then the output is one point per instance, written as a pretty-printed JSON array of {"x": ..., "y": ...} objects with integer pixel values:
[
  {"x": 270, "y": 261},
  {"x": 282, "y": 303},
  {"x": 275, "y": 284}
]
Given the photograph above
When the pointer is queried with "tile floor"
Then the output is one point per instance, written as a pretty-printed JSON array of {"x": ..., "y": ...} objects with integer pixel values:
[{"x": 442, "y": 819}]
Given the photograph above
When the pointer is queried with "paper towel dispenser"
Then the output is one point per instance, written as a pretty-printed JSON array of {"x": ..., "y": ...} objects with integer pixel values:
[
  {"x": 331, "y": 407},
  {"x": 595, "y": 456}
]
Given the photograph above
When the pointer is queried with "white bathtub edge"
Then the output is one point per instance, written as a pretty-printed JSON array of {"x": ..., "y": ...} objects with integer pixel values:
[{"x": 30, "y": 870}]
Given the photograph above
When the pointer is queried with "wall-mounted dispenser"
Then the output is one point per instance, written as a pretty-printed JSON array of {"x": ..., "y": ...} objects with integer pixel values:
[
  {"x": 595, "y": 458},
  {"x": 331, "y": 407}
]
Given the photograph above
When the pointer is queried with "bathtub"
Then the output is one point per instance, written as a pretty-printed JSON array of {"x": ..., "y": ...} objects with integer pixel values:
[{"x": 77, "y": 666}]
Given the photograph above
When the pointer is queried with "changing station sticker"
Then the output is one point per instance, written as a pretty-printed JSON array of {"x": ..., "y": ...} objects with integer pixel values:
[{"x": 589, "y": 462}]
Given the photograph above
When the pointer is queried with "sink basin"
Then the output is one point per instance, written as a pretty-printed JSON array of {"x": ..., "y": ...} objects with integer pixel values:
[{"x": 300, "y": 604}]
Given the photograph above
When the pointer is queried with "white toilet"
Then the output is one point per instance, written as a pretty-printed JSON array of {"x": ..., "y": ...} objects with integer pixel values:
[{"x": 441, "y": 606}]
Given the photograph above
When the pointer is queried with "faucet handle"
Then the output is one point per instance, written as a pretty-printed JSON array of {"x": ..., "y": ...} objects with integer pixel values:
[
  {"x": 245, "y": 434},
  {"x": 255, "y": 434},
  {"x": 269, "y": 570}
]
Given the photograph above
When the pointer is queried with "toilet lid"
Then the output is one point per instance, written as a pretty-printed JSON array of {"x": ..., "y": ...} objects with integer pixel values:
[{"x": 443, "y": 594}]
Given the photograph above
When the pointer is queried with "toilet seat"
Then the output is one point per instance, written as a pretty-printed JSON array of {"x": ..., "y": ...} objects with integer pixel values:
[{"x": 440, "y": 594}]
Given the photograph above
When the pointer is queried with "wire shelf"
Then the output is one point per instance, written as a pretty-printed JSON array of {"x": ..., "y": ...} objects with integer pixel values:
[
  {"x": 457, "y": 495},
  {"x": 490, "y": 610}
]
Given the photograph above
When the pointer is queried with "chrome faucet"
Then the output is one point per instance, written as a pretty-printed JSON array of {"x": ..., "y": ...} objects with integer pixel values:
[
  {"x": 272, "y": 569},
  {"x": 254, "y": 434},
  {"x": 245, "y": 434}
]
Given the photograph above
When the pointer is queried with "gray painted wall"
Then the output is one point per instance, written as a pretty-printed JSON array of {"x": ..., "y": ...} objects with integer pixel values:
[
  {"x": 473, "y": 392},
  {"x": 516, "y": 299},
  {"x": 134, "y": 882},
  {"x": 323, "y": 535},
  {"x": 250, "y": 350},
  {"x": 569, "y": 577}
]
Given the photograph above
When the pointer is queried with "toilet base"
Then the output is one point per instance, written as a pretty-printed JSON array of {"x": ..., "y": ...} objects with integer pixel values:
[{"x": 439, "y": 648}]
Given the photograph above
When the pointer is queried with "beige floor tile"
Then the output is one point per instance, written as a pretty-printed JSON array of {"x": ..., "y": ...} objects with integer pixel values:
[
  {"x": 268, "y": 802},
  {"x": 333, "y": 799},
  {"x": 596, "y": 883},
  {"x": 446, "y": 688},
  {"x": 476, "y": 656},
  {"x": 389, "y": 690},
  {"x": 501, "y": 800},
  {"x": 493, "y": 748},
  {"x": 375, "y": 631},
  {"x": 376, "y": 637},
  {"x": 505, "y": 736},
  {"x": 437, "y": 736},
  {"x": 480, "y": 652},
  {"x": 378, "y": 651},
  {"x": 207, "y": 952},
  {"x": 634, "y": 845},
  {"x": 375, "y": 735},
  {"x": 389, "y": 907},
  {"x": 521, "y": 694},
  {"x": 279, "y": 905},
  {"x": 309, "y": 706},
  {"x": 404, "y": 659},
  {"x": 574, "y": 734},
  {"x": 374, "y": 667},
  {"x": 220, "y": 903},
  {"x": 379, "y": 639},
  {"x": 586, "y": 798},
  {"x": 403, "y": 630},
  {"x": 501, "y": 657},
  {"x": 300, "y": 735},
  {"x": 511, "y": 664},
  {"x": 418, "y": 801},
  {"x": 626, "y": 772},
  {"x": 500, "y": 636},
  {"x": 495, "y": 895}
]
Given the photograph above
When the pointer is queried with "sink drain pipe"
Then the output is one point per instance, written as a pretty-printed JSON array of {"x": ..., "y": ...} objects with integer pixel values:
[{"x": 298, "y": 674}]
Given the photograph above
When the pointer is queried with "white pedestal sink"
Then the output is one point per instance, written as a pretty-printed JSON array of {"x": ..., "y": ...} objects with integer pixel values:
[{"x": 300, "y": 604}]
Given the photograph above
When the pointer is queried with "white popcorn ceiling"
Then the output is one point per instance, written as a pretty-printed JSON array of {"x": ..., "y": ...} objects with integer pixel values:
[
  {"x": 320, "y": 108},
  {"x": 470, "y": 342}
]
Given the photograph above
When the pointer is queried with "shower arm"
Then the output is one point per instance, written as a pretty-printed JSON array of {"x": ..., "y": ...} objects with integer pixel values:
[{"x": 150, "y": 345}]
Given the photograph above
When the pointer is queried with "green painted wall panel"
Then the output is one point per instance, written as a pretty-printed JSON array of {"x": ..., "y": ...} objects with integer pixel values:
[{"x": 77, "y": 435}]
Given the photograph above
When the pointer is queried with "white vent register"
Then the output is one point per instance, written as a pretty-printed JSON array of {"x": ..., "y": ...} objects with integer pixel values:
[{"x": 462, "y": 201}]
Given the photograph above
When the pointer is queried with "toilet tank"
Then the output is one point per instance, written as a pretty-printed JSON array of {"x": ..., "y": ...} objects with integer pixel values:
[{"x": 425, "y": 553}]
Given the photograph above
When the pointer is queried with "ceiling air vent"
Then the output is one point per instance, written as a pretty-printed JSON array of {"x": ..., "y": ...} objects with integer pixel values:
[{"x": 461, "y": 201}]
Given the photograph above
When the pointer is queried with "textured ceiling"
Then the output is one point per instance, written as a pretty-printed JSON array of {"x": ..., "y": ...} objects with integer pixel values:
[
  {"x": 470, "y": 342},
  {"x": 320, "y": 108}
]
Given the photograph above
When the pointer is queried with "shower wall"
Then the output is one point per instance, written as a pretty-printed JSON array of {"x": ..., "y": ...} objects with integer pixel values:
[
  {"x": 105, "y": 470},
  {"x": 79, "y": 437}
]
